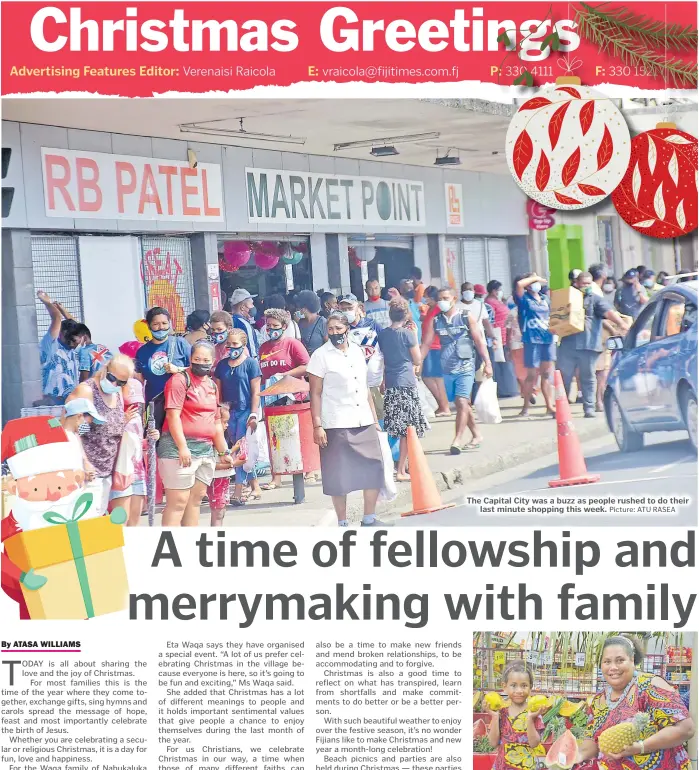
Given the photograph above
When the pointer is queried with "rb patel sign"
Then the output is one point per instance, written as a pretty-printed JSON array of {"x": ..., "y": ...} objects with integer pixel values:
[{"x": 93, "y": 185}]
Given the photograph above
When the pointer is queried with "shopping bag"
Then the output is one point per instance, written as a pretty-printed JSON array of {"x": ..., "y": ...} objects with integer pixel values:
[
  {"x": 425, "y": 405},
  {"x": 250, "y": 448},
  {"x": 499, "y": 351},
  {"x": 486, "y": 404},
  {"x": 389, "y": 490}
]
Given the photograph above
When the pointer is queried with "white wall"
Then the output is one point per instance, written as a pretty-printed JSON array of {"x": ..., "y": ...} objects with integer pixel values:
[{"x": 111, "y": 287}]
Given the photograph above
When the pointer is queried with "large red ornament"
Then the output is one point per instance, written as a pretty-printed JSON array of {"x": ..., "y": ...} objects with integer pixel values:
[
  {"x": 568, "y": 147},
  {"x": 658, "y": 194}
]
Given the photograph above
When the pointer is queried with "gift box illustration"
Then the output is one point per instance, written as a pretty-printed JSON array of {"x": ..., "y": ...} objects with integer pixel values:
[{"x": 62, "y": 560}]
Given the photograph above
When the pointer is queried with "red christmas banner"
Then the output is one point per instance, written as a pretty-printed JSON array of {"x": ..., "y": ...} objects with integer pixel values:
[{"x": 116, "y": 48}]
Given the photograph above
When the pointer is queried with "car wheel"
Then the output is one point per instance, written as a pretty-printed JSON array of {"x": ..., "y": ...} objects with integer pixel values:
[
  {"x": 689, "y": 411},
  {"x": 627, "y": 440}
]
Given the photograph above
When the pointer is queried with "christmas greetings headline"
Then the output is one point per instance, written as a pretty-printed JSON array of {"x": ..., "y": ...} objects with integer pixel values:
[
  {"x": 427, "y": 549},
  {"x": 341, "y": 29}
]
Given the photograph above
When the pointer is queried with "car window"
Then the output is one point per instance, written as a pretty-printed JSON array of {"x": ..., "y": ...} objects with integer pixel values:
[
  {"x": 679, "y": 316},
  {"x": 643, "y": 328}
]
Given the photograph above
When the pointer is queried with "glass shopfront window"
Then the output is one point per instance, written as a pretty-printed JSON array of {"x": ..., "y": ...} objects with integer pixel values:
[{"x": 263, "y": 264}]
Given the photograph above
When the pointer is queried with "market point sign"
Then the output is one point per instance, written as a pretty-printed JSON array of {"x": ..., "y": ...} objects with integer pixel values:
[
  {"x": 286, "y": 197},
  {"x": 94, "y": 185}
]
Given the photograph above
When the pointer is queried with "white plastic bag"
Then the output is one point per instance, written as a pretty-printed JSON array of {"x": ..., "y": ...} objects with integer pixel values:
[
  {"x": 486, "y": 404},
  {"x": 426, "y": 400},
  {"x": 251, "y": 442},
  {"x": 389, "y": 490},
  {"x": 499, "y": 351}
]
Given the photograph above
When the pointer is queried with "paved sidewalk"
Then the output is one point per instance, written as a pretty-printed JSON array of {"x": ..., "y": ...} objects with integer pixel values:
[{"x": 507, "y": 445}]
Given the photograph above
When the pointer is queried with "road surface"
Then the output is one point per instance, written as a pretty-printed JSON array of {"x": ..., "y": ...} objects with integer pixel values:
[{"x": 666, "y": 467}]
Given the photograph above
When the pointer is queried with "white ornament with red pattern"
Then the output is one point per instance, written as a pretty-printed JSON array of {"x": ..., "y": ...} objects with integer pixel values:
[
  {"x": 658, "y": 194},
  {"x": 568, "y": 147}
]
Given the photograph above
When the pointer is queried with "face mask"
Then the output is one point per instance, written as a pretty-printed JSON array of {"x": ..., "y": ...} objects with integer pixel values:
[
  {"x": 252, "y": 312},
  {"x": 298, "y": 315},
  {"x": 351, "y": 316},
  {"x": 161, "y": 334},
  {"x": 83, "y": 428},
  {"x": 235, "y": 352},
  {"x": 609, "y": 288},
  {"x": 275, "y": 334},
  {"x": 468, "y": 296},
  {"x": 338, "y": 339},
  {"x": 649, "y": 284},
  {"x": 444, "y": 305},
  {"x": 219, "y": 337},
  {"x": 201, "y": 370},
  {"x": 109, "y": 387},
  {"x": 535, "y": 287},
  {"x": 587, "y": 290},
  {"x": 498, "y": 294}
]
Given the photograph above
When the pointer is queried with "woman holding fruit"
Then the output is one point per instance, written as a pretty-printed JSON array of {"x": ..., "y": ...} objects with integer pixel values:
[
  {"x": 639, "y": 721},
  {"x": 515, "y": 728}
]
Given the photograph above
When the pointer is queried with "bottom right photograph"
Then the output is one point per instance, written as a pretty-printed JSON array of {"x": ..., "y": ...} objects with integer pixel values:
[{"x": 584, "y": 699}]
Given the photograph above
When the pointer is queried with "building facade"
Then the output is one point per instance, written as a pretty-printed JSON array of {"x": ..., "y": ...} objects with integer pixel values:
[{"x": 110, "y": 224}]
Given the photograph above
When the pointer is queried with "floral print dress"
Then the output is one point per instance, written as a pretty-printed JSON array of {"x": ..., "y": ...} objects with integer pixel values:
[
  {"x": 514, "y": 751},
  {"x": 664, "y": 707}
]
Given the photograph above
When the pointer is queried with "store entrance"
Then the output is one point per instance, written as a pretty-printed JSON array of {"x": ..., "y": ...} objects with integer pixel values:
[{"x": 391, "y": 263}]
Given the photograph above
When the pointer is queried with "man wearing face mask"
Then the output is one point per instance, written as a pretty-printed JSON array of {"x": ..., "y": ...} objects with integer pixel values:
[
  {"x": 599, "y": 277},
  {"x": 375, "y": 307},
  {"x": 59, "y": 350},
  {"x": 650, "y": 284},
  {"x": 460, "y": 339},
  {"x": 631, "y": 297},
  {"x": 243, "y": 312},
  {"x": 581, "y": 351}
]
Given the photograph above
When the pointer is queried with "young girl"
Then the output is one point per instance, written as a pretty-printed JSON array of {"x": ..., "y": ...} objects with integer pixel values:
[
  {"x": 219, "y": 491},
  {"x": 514, "y": 731}
]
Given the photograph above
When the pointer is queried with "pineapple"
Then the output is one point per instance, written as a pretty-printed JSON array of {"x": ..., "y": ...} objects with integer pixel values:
[{"x": 617, "y": 738}]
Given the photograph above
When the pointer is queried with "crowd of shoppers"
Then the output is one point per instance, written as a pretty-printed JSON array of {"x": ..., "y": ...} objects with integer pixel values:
[{"x": 365, "y": 360}]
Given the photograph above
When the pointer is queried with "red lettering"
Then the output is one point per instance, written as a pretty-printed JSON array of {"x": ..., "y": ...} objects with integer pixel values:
[
  {"x": 57, "y": 183},
  {"x": 208, "y": 211},
  {"x": 169, "y": 172},
  {"x": 84, "y": 184},
  {"x": 187, "y": 190},
  {"x": 124, "y": 188},
  {"x": 149, "y": 191}
]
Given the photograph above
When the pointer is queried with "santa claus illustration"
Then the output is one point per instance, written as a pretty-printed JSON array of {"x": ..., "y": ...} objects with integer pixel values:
[{"x": 47, "y": 478}]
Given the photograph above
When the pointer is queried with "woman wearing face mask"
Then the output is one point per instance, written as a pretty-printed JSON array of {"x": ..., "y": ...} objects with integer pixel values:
[
  {"x": 277, "y": 302},
  {"x": 539, "y": 347},
  {"x": 314, "y": 328},
  {"x": 164, "y": 355},
  {"x": 344, "y": 423},
  {"x": 221, "y": 324},
  {"x": 78, "y": 417},
  {"x": 238, "y": 379},
  {"x": 280, "y": 356},
  {"x": 401, "y": 400},
  {"x": 101, "y": 443},
  {"x": 192, "y": 438}
]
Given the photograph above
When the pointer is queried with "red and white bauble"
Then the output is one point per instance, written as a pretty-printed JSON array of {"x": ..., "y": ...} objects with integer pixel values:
[
  {"x": 658, "y": 194},
  {"x": 568, "y": 147}
]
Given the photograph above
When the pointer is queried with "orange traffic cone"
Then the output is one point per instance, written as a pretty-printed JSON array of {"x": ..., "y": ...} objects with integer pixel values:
[
  {"x": 571, "y": 462},
  {"x": 426, "y": 497}
]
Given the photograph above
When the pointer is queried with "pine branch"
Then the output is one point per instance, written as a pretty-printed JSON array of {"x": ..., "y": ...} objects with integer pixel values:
[
  {"x": 609, "y": 40},
  {"x": 649, "y": 31}
]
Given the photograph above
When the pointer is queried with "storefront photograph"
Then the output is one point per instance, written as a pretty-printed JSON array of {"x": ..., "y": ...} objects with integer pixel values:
[
  {"x": 143, "y": 228},
  {"x": 584, "y": 699}
]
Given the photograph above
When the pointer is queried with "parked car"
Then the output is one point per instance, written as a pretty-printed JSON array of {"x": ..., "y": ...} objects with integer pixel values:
[{"x": 652, "y": 384}]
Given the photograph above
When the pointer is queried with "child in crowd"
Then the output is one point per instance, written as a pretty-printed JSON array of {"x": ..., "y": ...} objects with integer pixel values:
[
  {"x": 219, "y": 491},
  {"x": 514, "y": 730}
]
